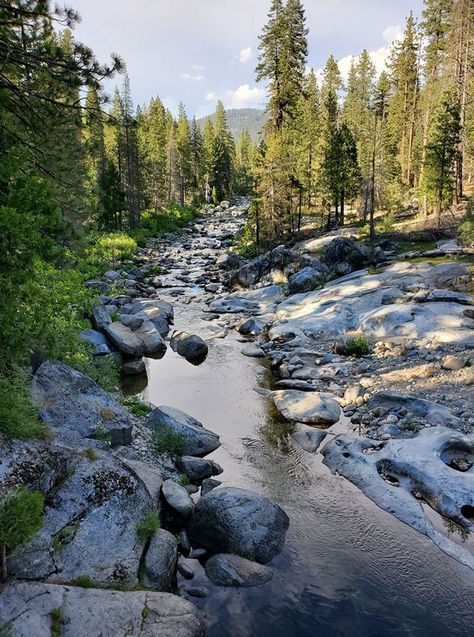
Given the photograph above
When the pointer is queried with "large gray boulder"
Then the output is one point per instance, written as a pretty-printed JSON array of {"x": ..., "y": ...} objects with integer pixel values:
[
  {"x": 152, "y": 308},
  {"x": 160, "y": 561},
  {"x": 26, "y": 610},
  {"x": 198, "y": 469},
  {"x": 399, "y": 475},
  {"x": 90, "y": 524},
  {"x": 304, "y": 281},
  {"x": 68, "y": 400},
  {"x": 189, "y": 346},
  {"x": 233, "y": 570},
  {"x": 197, "y": 441},
  {"x": 307, "y": 407},
  {"x": 146, "y": 339},
  {"x": 232, "y": 520}
]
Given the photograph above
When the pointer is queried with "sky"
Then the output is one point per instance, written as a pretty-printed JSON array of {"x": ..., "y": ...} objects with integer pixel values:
[{"x": 199, "y": 51}]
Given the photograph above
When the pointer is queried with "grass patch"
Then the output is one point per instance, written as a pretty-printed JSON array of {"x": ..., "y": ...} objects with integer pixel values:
[
  {"x": 135, "y": 406},
  {"x": 64, "y": 536},
  {"x": 110, "y": 249},
  {"x": 154, "y": 224},
  {"x": 84, "y": 581},
  {"x": 91, "y": 454},
  {"x": 18, "y": 416},
  {"x": 167, "y": 442},
  {"x": 102, "y": 434},
  {"x": 57, "y": 619},
  {"x": 358, "y": 346},
  {"x": 415, "y": 246},
  {"x": 150, "y": 524},
  {"x": 183, "y": 480}
]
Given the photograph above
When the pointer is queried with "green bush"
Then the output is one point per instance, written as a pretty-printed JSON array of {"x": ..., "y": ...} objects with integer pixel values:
[
  {"x": 18, "y": 416},
  {"x": 358, "y": 346},
  {"x": 183, "y": 480},
  {"x": 153, "y": 224},
  {"x": 149, "y": 525},
  {"x": 57, "y": 620},
  {"x": 135, "y": 405},
  {"x": 167, "y": 442},
  {"x": 111, "y": 248},
  {"x": 21, "y": 516},
  {"x": 84, "y": 581}
]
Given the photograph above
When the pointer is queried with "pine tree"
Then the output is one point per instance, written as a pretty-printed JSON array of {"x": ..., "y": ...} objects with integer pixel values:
[
  {"x": 208, "y": 158},
  {"x": 442, "y": 152},
  {"x": 184, "y": 156},
  {"x": 436, "y": 26},
  {"x": 357, "y": 114},
  {"x": 223, "y": 151},
  {"x": 197, "y": 162},
  {"x": 309, "y": 140},
  {"x": 244, "y": 155},
  {"x": 378, "y": 164},
  {"x": 404, "y": 71}
]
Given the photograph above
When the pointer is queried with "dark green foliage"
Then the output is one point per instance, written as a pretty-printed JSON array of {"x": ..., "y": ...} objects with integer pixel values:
[
  {"x": 92, "y": 454},
  {"x": 358, "y": 346},
  {"x": 466, "y": 227},
  {"x": 167, "y": 442},
  {"x": 18, "y": 417},
  {"x": 64, "y": 536},
  {"x": 21, "y": 516},
  {"x": 149, "y": 525},
  {"x": 183, "y": 480},
  {"x": 136, "y": 406}
]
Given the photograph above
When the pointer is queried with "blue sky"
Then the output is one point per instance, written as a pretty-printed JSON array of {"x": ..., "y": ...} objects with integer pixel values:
[{"x": 197, "y": 51}]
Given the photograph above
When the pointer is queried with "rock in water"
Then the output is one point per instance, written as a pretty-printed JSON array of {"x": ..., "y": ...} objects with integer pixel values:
[
  {"x": 308, "y": 438},
  {"x": 198, "y": 469},
  {"x": 125, "y": 339},
  {"x": 229, "y": 520},
  {"x": 28, "y": 607},
  {"x": 68, "y": 400},
  {"x": 196, "y": 440},
  {"x": 189, "y": 346},
  {"x": 307, "y": 407},
  {"x": 160, "y": 561},
  {"x": 233, "y": 570}
]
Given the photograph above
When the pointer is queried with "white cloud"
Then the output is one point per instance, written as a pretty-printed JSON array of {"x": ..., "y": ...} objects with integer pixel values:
[
  {"x": 245, "y": 96},
  {"x": 211, "y": 97},
  {"x": 245, "y": 55},
  {"x": 198, "y": 67},
  {"x": 379, "y": 57},
  {"x": 193, "y": 78}
]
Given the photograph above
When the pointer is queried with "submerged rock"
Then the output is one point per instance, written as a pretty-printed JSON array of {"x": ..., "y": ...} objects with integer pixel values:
[
  {"x": 27, "y": 608},
  {"x": 69, "y": 401},
  {"x": 308, "y": 438},
  {"x": 307, "y": 407},
  {"x": 196, "y": 441},
  {"x": 236, "y": 520},
  {"x": 232, "y": 570}
]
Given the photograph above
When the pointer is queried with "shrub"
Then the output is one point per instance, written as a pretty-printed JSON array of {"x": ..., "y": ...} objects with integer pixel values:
[
  {"x": 358, "y": 346},
  {"x": 91, "y": 454},
  {"x": 183, "y": 480},
  {"x": 64, "y": 536},
  {"x": 167, "y": 442},
  {"x": 149, "y": 525},
  {"x": 135, "y": 405},
  {"x": 18, "y": 416},
  {"x": 153, "y": 223},
  {"x": 111, "y": 249},
  {"x": 21, "y": 516}
]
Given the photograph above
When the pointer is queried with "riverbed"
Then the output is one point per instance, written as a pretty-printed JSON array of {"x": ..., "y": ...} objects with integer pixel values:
[{"x": 348, "y": 568}]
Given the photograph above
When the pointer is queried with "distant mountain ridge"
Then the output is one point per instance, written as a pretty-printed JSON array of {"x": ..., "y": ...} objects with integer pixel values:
[{"x": 240, "y": 119}]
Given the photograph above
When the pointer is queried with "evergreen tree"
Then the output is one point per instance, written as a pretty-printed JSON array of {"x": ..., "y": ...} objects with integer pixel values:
[
  {"x": 309, "y": 142},
  {"x": 197, "y": 162},
  {"x": 442, "y": 152},
  {"x": 243, "y": 177},
  {"x": 402, "y": 119},
  {"x": 357, "y": 114},
  {"x": 222, "y": 155},
  {"x": 208, "y": 158},
  {"x": 184, "y": 154}
]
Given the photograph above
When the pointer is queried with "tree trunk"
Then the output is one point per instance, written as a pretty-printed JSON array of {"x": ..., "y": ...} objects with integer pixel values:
[
  {"x": 300, "y": 204},
  {"x": 341, "y": 216},
  {"x": 372, "y": 190}
]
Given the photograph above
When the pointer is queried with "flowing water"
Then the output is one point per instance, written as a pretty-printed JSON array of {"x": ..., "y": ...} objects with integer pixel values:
[{"x": 348, "y": 568}]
